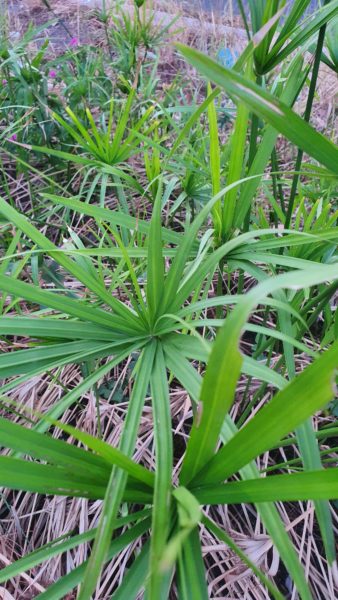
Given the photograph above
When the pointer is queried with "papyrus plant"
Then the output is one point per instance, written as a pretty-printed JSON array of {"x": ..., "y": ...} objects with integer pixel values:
[
  {"x": 154, "y": 321},
  {"x": 172, "y": 515}
]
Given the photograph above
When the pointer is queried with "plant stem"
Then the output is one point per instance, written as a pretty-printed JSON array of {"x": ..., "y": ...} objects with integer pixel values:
[
  {"x": 307, "y": 115},
  {"x": 278, "y": 188},
  {"x": 245, "y": 21}
]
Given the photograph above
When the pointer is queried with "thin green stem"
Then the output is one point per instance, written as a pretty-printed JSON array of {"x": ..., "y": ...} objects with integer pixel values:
[{"x": 307, "y": 115}]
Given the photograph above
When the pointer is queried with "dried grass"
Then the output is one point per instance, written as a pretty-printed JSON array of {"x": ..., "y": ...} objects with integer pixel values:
[{"x": 33, "y": 520}]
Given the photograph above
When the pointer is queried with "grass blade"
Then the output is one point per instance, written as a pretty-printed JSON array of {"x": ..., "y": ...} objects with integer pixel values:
[
  {"x": 313, "y": 389},
  {"x": 265, "y": 105},
  {"x": 312, "y": 485},
  {"x": 163, "y": 476},
  {"x": 118, "y": 479}
]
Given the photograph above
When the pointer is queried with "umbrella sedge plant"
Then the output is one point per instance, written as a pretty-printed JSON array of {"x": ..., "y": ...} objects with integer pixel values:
[
  {"x": 275, "y": 109},
  {"x": 234, "y": 210},
  {"x": 179, "y": 303},
  {"x": 173, "y": 515},
  {"x": 153, "y": 323}
]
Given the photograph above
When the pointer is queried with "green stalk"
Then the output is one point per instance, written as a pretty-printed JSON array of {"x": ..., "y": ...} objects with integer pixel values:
[
  {"x": 245, "y": 21},
  {"x": 252, "y": 152},
  {"x": 307, "y": 115},
  {"x": 278, "y": 188}
]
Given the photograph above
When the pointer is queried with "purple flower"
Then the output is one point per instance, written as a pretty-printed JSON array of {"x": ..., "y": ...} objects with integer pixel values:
[
  {"x": 74, "y": 42},
  {"x": 13, "y": 138},
  {"x": 4, "y": 82},
  {"x": 52, "y": 74}
]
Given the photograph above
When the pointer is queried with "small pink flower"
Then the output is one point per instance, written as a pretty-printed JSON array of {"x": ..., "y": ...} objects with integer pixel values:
[
  {"x": 52, "y": 74},
  {"x": 74, "y": 42},
  {"x": 4, "y": 82},
  {"x": 13, "y": 138}
]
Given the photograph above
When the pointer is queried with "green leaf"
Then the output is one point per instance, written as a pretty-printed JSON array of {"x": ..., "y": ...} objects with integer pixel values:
[
  {"x": 217, "y": 395},
  {"x": 23, "y": 361},
  {"x": 56, "y": 452},
  {"x": 311, "y": 485},
  {"x": 112, "y": 456},
  {"x": 237, "y": 161},
  {"x": 70, "y": 397},
  {"x": 215, "y": 162},
  {"x": 44, "y": 328},
  {"x": 155, "y": 267},
  {"x": 62, "y": 303},
  {"x": 118, "y": 479},
  {"x": 301, "y": 34},
  {"x": 293, "y": 84},
  {"x": 183, "y": 136},
  {"x": 272, "y": 521},
  {"x": 163, "y": 473},
  {"x": 262, "y": 103},
  {"x": 269, "y": 514},
  {"x": 313, "y": 389},
  {"x": 189, "y": 517},
  {"x": 44, "y": 479},
  {"x": 308, "y": 445},
  {"x": 191, "y": 571},
  {"x": 114, "y": 217}
]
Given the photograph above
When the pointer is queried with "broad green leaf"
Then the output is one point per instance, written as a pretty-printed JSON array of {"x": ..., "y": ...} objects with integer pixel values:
[
  {"x": 310, "y": 485},
  {"x": 155, "y": 267},
  {"x": 191, "y": 571},
  {"x": 163, "y": 473},
  {"x": 313, "y": 389},
  {"x": 265, "y": 105},
  {"x": 56, "y": 452},
  {"x": 217, "y": 396}
]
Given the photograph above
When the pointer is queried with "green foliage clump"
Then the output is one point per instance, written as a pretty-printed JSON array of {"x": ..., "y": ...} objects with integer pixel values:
[{"x": 156, "y": 238}]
